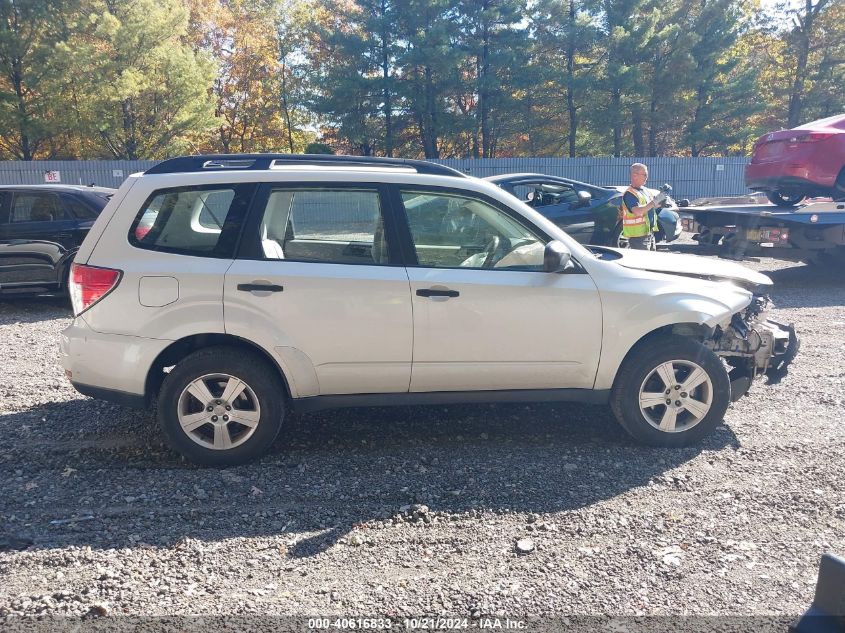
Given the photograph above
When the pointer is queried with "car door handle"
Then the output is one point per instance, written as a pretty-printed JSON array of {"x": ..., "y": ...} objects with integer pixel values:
[
  {"x": 260, "y": 288},
  {"x": 428, "y": 292}
]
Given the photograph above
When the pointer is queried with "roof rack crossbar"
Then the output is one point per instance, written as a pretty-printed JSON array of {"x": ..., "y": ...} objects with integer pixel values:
[{"x": 209, "y": 162}]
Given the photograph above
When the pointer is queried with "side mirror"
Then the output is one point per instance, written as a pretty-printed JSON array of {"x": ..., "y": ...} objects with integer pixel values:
[
  {"x": 584, "y": 198},
  {"x": 556, "y": 257},
  {"x": 683, "y": 202}
]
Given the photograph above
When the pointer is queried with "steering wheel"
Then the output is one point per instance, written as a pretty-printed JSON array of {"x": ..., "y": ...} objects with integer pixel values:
[{"x": 490, "y": 249}]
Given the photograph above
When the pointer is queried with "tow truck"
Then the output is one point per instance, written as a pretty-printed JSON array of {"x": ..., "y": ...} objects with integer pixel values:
[{"x": 813, "y": 232}]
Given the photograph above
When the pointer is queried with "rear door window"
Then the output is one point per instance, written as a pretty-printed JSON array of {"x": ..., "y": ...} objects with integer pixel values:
[
  {"x": 332, "y": 226},
  {"x": 36, "y": 207},
  {"x": 4, "y": 206},
  {"x": 200, "y": 220},
  {"x": 81, "y": 210}
]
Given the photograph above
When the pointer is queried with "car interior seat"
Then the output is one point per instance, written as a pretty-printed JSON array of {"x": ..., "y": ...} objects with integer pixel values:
[
  {"x": 273, "y": 225},
  {"x": 41, "y": 211},
  {"x": 379, "y": 252},
  {"x": 271, "y": 248}
]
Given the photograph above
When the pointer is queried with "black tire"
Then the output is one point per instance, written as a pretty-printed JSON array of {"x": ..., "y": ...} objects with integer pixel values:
[
  {"x": 64, "y": 290},
  {"x": 638, "y": 371},
  {"x": 618, "y": 241},
  {"x": 615, "y": 237},
  {"x": 833, "y": 258},
  {"x": 784, "y": 200},
  {"x": 839, "y": 187},
  {"x": 263, "y": 399}
]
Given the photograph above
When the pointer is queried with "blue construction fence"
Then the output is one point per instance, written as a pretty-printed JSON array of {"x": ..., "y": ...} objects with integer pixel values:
[{"x": 689, "y": 177}]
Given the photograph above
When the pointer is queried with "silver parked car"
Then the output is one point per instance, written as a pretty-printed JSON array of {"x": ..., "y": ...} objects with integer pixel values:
[{"x": 262, "y": 283}]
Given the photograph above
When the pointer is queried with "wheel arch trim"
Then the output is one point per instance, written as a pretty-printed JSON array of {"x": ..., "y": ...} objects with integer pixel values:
[{"x": 179, "y": 349}]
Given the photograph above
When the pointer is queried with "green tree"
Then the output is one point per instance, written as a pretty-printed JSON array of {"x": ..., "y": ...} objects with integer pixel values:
[
  {"x": 432, "y": 66},
  {"x": 492, "y": 38},
  {"x": 721, "y": 79},
  {"x": 802, "y": 43},
  {"x": 353, "y": 55},
  {"x": 627, "y": 28},
  {"x": 139, "y": 89},
  {"x": 816, "y": 44},
  {"x": 566, "y": 37},
  {"x": 339, "y": 73},
  {"x": 29, "y": 116}
]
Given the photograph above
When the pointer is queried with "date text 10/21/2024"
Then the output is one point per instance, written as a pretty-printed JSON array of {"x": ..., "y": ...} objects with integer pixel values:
[{"x": 420, "y": 624}]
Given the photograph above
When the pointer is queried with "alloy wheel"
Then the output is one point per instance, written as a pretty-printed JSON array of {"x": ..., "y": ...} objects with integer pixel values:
[
  {"x": 218, "y": 411},
  {"x": 676, "y": 396}
]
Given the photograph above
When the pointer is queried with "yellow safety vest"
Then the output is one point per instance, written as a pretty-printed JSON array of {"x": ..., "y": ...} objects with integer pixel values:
[{"x": 635, "y": 225}]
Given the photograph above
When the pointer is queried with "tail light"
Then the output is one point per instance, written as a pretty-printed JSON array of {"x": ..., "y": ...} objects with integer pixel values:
[
  {"x": 141, "y": 232},
  {"x": 89, "y": 284},
  {"x": 776, "y": 235},
  {"x": 812, "y": 137}
]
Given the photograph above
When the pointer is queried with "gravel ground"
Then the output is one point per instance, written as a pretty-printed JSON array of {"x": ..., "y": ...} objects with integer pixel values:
[{"x": 424, "y": 510}]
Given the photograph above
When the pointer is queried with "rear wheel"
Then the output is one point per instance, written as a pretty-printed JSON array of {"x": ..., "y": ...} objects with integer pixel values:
[
  {"x": 64, "y": 291},
  {"x": 839, "y": 187},
  {"x": 671, "y": 391},
  {"x": 783, "y": 199},
  {"x": 221, "y": 406}
]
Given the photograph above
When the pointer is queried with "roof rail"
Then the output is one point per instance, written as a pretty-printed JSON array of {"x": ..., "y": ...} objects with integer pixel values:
[{"x": 208, "y": 162}]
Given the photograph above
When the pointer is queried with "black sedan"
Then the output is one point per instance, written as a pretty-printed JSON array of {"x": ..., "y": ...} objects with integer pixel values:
[
  {"x": 41, "y": 229},
  {"x": 589, "y": 213}
]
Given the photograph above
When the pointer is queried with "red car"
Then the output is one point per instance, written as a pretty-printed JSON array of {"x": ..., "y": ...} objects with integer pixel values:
[{"x": 808, "y": 160}]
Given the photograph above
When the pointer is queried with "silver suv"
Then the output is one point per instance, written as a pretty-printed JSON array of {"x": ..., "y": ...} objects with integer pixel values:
[{"x": 229, "y": 290}]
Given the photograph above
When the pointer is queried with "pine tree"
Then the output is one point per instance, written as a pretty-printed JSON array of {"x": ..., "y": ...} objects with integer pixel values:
[
  {"x": 141, "y": 92},
  {"x": 491, "y": 36},
  {"x": 567, "y": 40},
  {"x": 431, "y": 64},
  {"x": 353, "y": 58},
  {"x": 721, "y": 81},
  {"x": 628, "y": 25},
  {"x": 29, "y": 116}
]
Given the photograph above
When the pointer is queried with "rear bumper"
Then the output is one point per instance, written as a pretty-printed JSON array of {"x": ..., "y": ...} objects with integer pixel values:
[
  {"x": 786, "y": 175},
  {"x": 113, "y": 367},
  {"x": 131, "y": 400}
]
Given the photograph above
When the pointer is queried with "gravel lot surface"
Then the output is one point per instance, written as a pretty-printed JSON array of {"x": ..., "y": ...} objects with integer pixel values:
[{"x": 471, "y": 511}]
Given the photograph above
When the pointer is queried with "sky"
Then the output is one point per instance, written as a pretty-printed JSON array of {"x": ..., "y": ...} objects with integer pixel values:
[{"x": 771, "y": 4}]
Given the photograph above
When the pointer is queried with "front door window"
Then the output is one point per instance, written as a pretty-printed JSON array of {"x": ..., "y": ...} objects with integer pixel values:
[{"x": 451, "y": 231}]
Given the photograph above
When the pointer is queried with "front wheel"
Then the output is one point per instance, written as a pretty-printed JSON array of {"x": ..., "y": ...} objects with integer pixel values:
[
  {"x": 221, "y": 406},
  {"x": 670, "y": 391},
  {"x": 784, "y": 200},
  {"x": 617, "y": 240}
]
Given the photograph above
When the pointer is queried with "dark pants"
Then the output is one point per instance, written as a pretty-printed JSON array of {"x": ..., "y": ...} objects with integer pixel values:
[{"x": 639, "y": 243}]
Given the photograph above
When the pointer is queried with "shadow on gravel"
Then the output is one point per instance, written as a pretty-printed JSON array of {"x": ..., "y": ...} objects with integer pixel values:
[
  {"x": 92, "y": 474},
  {"x": 29, "y": 309},
  {"x": 807, "y": 276},
  {"x": 804, "y": 286}
]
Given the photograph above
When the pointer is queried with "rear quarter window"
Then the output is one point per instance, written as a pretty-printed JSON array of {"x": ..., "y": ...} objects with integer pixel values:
[
  {"x": 87, "y": 209},
  {"x": 203, "y": 220}
]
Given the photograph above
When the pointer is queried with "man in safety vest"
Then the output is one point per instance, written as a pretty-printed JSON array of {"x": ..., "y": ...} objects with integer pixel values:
[{"x": 637, "y": 223}]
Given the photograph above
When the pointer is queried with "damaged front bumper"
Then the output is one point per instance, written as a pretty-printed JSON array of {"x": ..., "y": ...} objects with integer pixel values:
[{"x": 754, "y": 346}]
